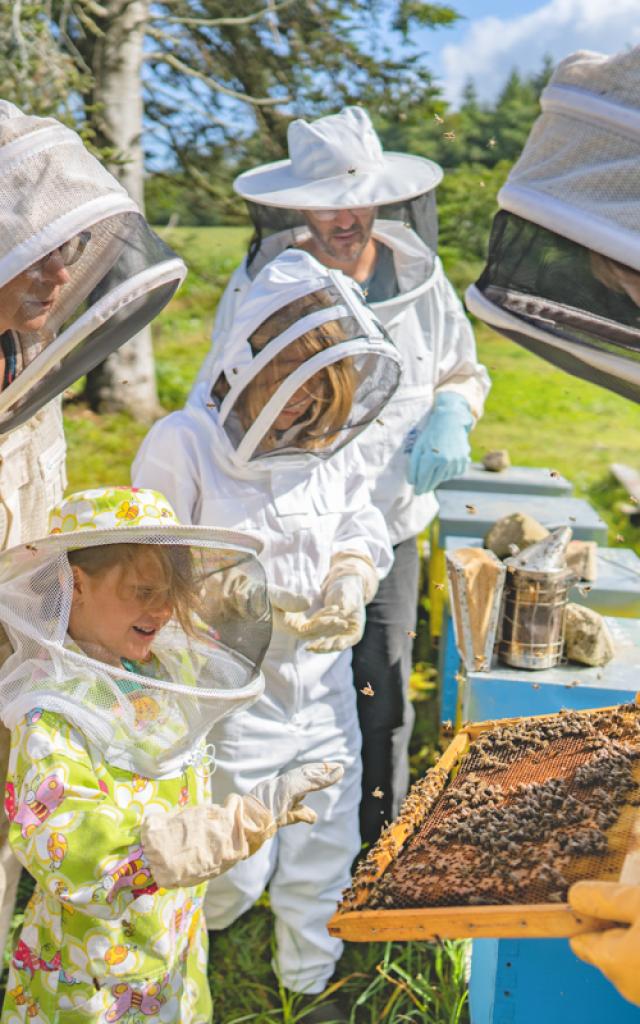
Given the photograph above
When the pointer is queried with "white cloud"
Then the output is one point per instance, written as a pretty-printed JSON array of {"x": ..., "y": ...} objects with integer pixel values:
[{"x": 492, "y": 46}]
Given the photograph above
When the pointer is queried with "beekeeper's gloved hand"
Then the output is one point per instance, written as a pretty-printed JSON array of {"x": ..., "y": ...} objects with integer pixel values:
[
  {"x": 243, "y": 595},
  {"x": 283, "y": 601},
  {"x": 190, "y": 845},
  {"x": 349, "y": 586},
  {"x": 616, "y": 951},
  {"x": 283, "y": 795},
  {"x": 441, "y": 450}
]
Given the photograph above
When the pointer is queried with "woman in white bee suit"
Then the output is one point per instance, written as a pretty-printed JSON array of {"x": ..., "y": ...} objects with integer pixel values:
[
  {"x": 563, "y": 280},
  {"x": 304, "y": 368},
  {"x": 80, "y": 273},
  {"x": 372, "y": 214}
]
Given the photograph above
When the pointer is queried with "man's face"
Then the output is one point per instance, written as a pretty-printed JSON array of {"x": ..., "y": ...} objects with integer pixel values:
[{"x": 342, "y": 234}]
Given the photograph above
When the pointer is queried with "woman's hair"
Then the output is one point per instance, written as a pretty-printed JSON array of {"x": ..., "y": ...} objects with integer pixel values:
[
  {"x": 169, "y": 567},
  {"x": 615, "y": 275},
  {"x": 332, "y": 388}
]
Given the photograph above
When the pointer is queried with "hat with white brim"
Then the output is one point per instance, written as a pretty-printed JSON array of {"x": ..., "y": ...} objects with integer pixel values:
[{"x": 337, "y": 162}]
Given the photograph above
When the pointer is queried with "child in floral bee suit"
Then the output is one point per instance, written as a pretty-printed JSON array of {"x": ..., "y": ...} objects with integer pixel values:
[{"x": 121, "y": 624}]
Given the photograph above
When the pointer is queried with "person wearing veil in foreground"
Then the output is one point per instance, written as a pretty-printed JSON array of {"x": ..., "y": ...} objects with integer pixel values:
[
  {"x": 80, "y": 273},
  {"x": 563, "y": 280},
  {"x": 122, "y": 663}
]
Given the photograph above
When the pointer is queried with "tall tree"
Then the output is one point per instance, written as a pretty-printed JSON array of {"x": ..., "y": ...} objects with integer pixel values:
[{"x": 210, "y": 80}]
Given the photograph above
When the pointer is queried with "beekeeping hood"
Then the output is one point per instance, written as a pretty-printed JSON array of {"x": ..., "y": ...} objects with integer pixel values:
[
  {"x": 338, "y": 162},
  {"x": 304, "y": 368},
  {"x": 143, "y": 716},
  {"x": 58, "y": 201},
  {"x": 563, "y": 271}
]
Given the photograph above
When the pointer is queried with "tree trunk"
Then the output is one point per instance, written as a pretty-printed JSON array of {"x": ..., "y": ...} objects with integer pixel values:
[{"x": 126, "y": 380}]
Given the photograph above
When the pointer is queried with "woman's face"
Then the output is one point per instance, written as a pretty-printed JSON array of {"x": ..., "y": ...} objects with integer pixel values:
[
  {"x": 27, "y": 300},
  {"x": 119, "y": 612}
]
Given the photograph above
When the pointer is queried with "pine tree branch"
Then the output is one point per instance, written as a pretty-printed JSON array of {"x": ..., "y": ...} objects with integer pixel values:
[
  {"x": 248, "y": 19},
  {"x": 178, "y": 65}
]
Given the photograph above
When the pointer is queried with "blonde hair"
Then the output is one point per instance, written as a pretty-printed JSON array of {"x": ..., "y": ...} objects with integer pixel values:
[
  {"x": 174, "y": 566},
  {"x": 333, "y": 386},
  {"x": 615, "y": 275}
]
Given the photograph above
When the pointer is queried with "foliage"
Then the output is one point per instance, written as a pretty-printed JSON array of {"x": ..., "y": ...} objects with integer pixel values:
[
  {"x": 476, "y": 145},
  {"x": 220, "y": 87},
  {"x": 466, "y": 205},
  {"x": 35, "y": 73},
  {"x": 476, "y": 133}
]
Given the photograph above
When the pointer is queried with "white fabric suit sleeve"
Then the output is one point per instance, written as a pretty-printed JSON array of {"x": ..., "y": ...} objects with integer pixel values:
[
  {"x": 164, "y": 463},
  {"x": 362, "y": 528},
  {"x": 456, "y": 361}
]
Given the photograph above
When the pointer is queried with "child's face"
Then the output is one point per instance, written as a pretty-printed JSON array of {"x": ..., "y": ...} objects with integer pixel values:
[
  {"x": 119, "y": 612},
  {"x": 301, "y": 399}
]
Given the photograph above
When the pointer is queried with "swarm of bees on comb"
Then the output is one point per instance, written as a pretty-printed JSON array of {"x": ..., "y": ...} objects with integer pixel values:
[{"x": 535, "y": 805}]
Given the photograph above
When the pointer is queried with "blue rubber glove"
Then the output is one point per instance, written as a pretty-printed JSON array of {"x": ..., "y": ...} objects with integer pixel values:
[{"x": 441, "y": 450}]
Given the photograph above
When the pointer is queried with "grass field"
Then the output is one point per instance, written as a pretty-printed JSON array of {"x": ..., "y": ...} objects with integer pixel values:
[{"x": 544, "y": 418}]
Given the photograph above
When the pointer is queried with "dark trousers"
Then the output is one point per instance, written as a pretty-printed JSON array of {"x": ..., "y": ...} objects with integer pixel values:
[{"x": 383, "y": 659}]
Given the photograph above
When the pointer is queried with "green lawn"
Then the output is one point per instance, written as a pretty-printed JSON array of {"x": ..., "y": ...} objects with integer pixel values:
[{"x": 544, "y": 418}]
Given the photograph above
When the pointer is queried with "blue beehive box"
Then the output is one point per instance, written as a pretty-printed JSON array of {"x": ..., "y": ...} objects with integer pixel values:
[
  {"x": 515, "y": 480},
  {"x": 473, "y": 513},
  {"x": 540, "y": 981}
]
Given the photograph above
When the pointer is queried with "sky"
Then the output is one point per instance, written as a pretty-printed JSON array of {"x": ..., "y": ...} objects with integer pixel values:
[{"x": 498, "y": 35}]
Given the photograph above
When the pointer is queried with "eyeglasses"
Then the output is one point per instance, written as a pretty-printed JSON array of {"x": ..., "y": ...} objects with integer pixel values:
[
  {"x": 327, "y": 215},
  {"x": 69, "y": 252}
]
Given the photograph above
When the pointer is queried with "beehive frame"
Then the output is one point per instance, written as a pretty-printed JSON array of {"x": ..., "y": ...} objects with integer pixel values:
[{"x": 543, "y": 920}]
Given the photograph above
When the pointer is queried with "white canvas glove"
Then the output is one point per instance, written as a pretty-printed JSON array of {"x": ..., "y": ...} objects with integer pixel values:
[
  {"x": 188, "y": 846},
  {"x": 192, "y": 844},
  {"x": 285, "y": 601},
  {"x": 283, "y": 795},
  {"x": 349, "y": 586},
  {"x": 244, "y": 596}
]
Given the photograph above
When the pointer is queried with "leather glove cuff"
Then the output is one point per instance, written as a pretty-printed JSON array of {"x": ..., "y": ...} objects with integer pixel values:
[{"x": 188, "y": 846}]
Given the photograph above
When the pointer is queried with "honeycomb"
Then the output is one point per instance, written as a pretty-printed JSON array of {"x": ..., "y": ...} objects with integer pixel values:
[{"x": 534, "y": 806}]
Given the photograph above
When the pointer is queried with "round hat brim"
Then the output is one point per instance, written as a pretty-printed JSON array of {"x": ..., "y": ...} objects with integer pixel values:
[
  {"x": 12, "y": 560},
  {"x": 401, "y": 177}
]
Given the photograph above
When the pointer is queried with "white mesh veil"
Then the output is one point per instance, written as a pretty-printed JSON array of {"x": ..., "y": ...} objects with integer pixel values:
[
  {"x": 563, "y": 270},
  {"x": 145, "y": 716},
  {"x": 306, "y": 367},
  {"x": 59, "y": 207}
]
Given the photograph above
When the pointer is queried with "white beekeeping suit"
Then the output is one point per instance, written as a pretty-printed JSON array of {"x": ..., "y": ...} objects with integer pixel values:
[
  {"x": 80, "y": 273},
  {"x": 337, "y": 164},
  {"x": 303, "y": 369},
  {"x": 563, "y": 270}
]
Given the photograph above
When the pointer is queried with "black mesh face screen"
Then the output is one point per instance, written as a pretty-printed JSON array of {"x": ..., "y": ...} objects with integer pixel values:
[
  {"x": 418, "y": 213},
  {"x": 585, "y": 302}
]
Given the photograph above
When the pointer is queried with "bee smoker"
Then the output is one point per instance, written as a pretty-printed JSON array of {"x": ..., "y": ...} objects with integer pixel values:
[
  {"x": 476, "y": 580},
  {"x": 535, "y": 597}
]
